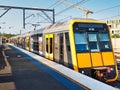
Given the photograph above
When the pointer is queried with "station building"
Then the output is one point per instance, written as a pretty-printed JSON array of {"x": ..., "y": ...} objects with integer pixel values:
[{"x": 114, "y": 26}]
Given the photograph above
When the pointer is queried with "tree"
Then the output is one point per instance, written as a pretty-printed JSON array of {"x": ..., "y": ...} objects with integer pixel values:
[
  {"x": 115, "y": 36},
  {"x": 4, "y": 35}
]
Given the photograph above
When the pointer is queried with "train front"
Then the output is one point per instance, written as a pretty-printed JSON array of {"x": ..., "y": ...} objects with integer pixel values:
[{"x": 92, "y": 52}]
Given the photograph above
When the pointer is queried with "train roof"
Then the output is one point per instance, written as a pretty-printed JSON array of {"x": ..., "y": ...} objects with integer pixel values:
[
  {"x": 37, "y": 31},
  {"x": 58, "y": 27},
  {"x": 64, "y": 26}
]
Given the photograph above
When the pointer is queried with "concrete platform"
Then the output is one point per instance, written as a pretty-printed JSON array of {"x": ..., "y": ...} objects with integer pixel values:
[
  {"x": 60, "y": 71},
  {"x": 20, "y": 73},
  {"x": 2, "y": 61},
  {"x": 27, "y": 71}
]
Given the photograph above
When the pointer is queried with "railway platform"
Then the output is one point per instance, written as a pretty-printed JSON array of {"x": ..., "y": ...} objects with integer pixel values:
[
  {"x": 2, "y": 62},
  {"x": 20, "y": 73},
  {"x": 23, "y": 70}
]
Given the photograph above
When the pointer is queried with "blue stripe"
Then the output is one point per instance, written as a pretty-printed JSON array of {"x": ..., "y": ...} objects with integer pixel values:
[{"x": 66, "y": 82}]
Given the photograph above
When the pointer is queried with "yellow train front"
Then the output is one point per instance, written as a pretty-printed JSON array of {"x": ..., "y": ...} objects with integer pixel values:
[{"x": 84, "y": 45}]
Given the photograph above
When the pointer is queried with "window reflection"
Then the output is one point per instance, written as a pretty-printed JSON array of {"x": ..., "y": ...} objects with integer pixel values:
[
  {"x": 81, "y": 42},
  {"x": 93, "y": 43},
  {"x": 105, "y": 42}
]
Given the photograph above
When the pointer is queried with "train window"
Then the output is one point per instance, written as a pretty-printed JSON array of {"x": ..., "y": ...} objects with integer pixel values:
[
  {"x": 93, "y": 42},
  {"x": 51, "y": 44},
  {"x": 31, "y": 43},
  {"x": 46, "y": 44},
  {"x": 61, "y": 48},
  {"x": 27, "y": 42},
  {"x": 67, "y": 41},
  {"x": 105, "y": 42},
  {"x": 40, "y": 42},
  {"x": 68, "y": 49},
  {"x": 81, "y": 42},
  {"x": 35, "y": 43}
]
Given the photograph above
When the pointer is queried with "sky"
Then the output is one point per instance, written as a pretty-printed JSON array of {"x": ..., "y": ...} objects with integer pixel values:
[{"x": 12, "y": 21}]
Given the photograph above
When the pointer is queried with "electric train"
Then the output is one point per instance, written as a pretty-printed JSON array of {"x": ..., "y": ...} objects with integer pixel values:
[{"x": 83, "y": 45}]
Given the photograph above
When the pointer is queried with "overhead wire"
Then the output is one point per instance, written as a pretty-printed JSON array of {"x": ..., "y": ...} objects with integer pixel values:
[
  {"x": 82, "y": 1},
  {"x": 59, "y": 2},
  {"x": 109, "y": 8},
  {"x": 106, "y": 9},
  {"x": 56, "y": 4}
]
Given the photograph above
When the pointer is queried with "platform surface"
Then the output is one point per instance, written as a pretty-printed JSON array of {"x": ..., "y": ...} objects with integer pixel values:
[
  {"x": 24, "y": 70},
  {"x": 21, "y": 73}
]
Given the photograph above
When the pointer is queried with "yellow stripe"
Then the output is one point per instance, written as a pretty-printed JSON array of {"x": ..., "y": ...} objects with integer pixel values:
[
  {"x": 88, "y": 21},
  {"x": 72, "y": 44}
]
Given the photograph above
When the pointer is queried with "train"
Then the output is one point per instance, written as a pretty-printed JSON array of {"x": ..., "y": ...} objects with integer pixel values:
[{"x": 83, "y": 45}]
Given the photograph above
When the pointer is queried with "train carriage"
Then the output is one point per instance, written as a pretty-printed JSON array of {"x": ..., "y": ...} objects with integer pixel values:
[
  {"x": 81, "y": 44},
  {"x": 36, "y": 41},
  {"x": 84, "y": 45}
]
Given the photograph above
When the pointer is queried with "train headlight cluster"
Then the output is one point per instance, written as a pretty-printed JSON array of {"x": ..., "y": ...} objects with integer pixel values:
[{"x": 109, "y": 69}]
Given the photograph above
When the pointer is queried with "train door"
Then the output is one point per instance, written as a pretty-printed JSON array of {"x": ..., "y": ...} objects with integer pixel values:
[
  {"x": 40, "y": 42},
  {"x": 56, "y": 48},
  {"x": 67, "y": 51},
  {"x": 61, "y": 46},
  {"x": 27, "y": 43},
  {"x": 95, "y": 54},
  {"x": 49, "y": 46},
  {"x": 62, "y": 53},
  {"x": 31, "y": 44},
  {"x": 60, "y": 49},
  {"x": 35, "y": 44}
]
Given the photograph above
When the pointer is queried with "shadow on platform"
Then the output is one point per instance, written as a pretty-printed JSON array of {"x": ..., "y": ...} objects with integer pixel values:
[
  {"x": 21, "y": 74},
  {"x": 2, "y": 60}
]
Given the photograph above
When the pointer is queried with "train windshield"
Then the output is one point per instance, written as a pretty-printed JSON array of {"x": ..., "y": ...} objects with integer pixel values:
[
  {"x": 81, "y": 42},
  {"x": 93, "y": 42},
  {"x": 105, "y": 42},
  {"x": 91, "y": 37}
]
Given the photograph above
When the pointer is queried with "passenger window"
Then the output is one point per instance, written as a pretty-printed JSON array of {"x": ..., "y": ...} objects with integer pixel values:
[
  {"x": 61, "y": 47},
  {"x": 93, "y": 42},
  {"x": 46, "y": 44},
  {"x": 81, "y": 42},
  {"x": 67, "y": 41},
  {"x": 68, "y": 50},
  {"x": 105, "y": 42},
  {"x": 51, "y": 44}
]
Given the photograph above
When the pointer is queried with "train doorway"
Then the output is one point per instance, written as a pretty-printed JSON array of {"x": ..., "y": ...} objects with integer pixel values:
[{"x": 49, "y": 46}]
